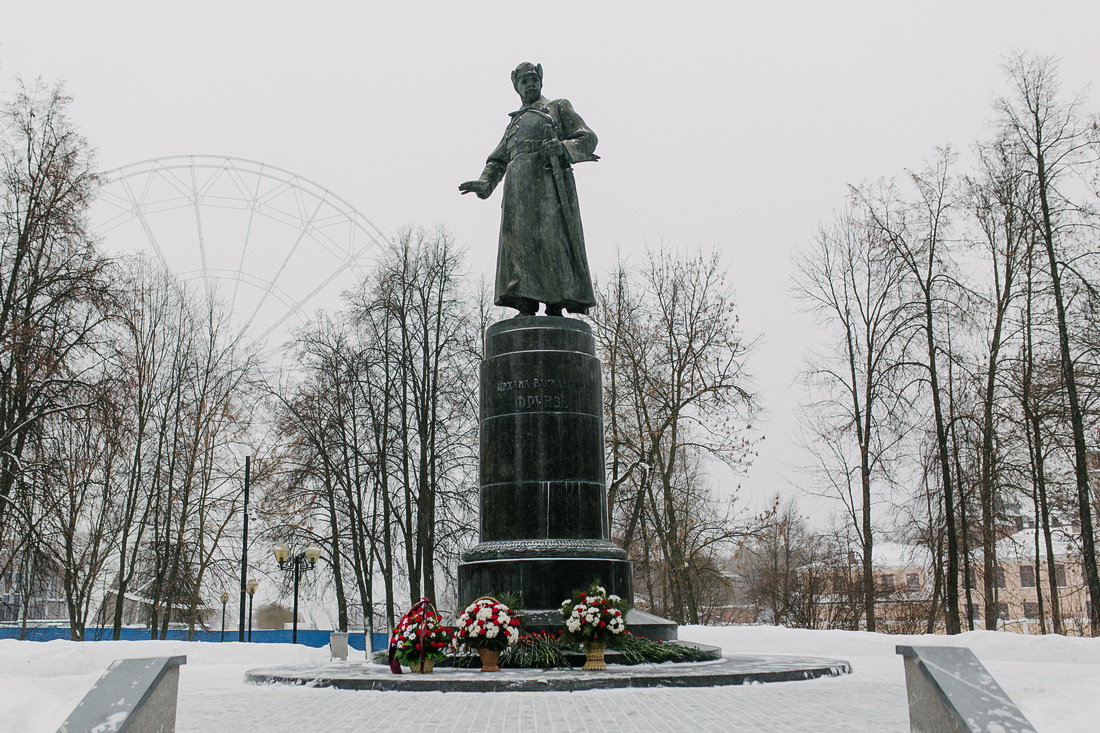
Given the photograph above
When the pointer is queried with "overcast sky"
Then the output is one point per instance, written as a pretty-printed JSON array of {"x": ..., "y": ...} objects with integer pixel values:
[{"x": 729, "y": 125}]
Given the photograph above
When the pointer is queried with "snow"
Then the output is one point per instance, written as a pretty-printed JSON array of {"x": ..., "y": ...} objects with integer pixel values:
[
  {"x": 1021, "y": 545},
  {"x": 893, "y": 555},
  {"x": 1053, "y": 679}
]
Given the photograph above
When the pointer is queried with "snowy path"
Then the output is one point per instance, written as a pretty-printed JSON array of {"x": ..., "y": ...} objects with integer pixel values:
[{"x": 1054, "y": 680}]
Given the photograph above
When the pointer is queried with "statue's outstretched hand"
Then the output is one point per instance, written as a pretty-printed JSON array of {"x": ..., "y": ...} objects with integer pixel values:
[{"x": 480, "y": 188}]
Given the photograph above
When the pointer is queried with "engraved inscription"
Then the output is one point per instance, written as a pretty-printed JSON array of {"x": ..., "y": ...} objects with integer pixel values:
[
  {"x": 553, "y": 394},
  {"x": 543, "y": 402},
  {"x": 569, "y": 384}
]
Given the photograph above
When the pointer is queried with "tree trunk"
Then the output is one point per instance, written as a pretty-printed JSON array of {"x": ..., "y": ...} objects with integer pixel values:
[{"x": 1088, "y": 546}]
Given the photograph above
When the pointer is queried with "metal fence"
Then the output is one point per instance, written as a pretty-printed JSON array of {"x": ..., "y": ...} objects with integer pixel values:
[{"x": 306, "y": 637}]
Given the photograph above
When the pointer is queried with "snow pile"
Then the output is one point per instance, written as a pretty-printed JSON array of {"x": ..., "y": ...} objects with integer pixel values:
[
  {"x": 1052, "y": 679},
  {"x": 42, "y": 681}
]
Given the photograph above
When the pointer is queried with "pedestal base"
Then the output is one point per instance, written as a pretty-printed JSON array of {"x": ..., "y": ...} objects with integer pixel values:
[
  {"x": 542, "y": 582},
  {"x": 734, "y": 669}
]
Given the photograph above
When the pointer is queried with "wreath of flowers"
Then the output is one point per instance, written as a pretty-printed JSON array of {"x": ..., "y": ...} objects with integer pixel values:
[
  {"x": 593, "y": 616},
  {"x": 487, "y": 624},
  {"x": 420, "y": 634}
]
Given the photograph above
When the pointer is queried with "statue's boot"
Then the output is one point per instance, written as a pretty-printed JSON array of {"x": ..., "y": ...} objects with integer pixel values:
[{"x": 526, "y": 307}]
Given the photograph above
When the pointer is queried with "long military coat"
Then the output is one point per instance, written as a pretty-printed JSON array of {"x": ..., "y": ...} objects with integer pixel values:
[{"x": 541, "y": 255}]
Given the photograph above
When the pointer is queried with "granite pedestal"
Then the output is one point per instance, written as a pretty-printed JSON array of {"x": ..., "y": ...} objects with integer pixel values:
[{"x": 543, "y": 524}]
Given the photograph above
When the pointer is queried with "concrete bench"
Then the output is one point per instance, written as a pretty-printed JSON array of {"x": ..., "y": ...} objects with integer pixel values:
[
  {"x": 132, "y": 696},
  {"x": 950, "y": 690}
]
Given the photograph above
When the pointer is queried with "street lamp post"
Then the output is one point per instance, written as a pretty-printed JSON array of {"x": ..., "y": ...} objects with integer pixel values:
[
  {"x": 225, "y": 600},
  {"x": 244, "y": 543},
  {"x": 251, "y": 587},
  {"x": 307, "y": 560}
]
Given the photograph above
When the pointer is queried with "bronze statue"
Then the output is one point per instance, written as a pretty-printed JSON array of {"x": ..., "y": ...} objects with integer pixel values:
[{"x": 541, "y": 257}]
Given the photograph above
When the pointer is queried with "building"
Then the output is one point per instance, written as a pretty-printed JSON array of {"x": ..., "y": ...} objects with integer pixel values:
[{"x": 1023, "y": 573}]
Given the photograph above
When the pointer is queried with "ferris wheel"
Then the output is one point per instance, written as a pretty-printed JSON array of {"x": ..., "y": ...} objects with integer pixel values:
[{"x": 270, "y": 243}]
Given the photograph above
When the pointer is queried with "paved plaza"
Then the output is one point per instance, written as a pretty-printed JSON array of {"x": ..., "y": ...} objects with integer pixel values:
[{"x": 850, "y": 702}]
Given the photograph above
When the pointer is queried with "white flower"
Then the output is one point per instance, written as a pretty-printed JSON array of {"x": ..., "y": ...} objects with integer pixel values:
[
  {"x": 573, "y": 625},
  {"x": 484, "y": 614},
  {"x": 503, "y": 617},
  {"x": 614, "y": 599},
  {"x": 601, "y": 591},
  {"x": 565, "y": 603}
]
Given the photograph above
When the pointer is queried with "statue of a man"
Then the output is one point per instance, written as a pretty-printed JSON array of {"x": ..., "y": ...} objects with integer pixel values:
[{"x": 541, "y": 258}]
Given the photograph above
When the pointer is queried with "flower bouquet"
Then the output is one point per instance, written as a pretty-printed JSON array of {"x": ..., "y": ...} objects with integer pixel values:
[
  {"x": 420, "y": 638},
  {"x": 488, "y": 626},
  {"x": 595, "y": 620}
]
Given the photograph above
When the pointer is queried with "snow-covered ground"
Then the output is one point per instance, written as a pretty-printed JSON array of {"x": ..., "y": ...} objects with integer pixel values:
[{"x": 1054, "y": 680}]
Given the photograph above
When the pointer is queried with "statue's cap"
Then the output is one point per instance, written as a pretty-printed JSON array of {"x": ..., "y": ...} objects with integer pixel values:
[{"x": 524, "y": 69}]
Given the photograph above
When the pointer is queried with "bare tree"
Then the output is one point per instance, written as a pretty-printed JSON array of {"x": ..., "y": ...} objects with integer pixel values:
[
  {"x": 850, "y": 281},
  {"x": 149, "y": 340},
  {"x": 797, "y": 576},
  {"x": 80, "y": 455},
  {"x": 418, "y": 288},
  {"x": 917, "y": 232},
  {"x": 678, "y": 392},
  {"x": 1057, "y": 143},
  {"x": 51, "y": 279},
  {"x": 999, "y": 198},
  {"x": 379, "y": 422}
]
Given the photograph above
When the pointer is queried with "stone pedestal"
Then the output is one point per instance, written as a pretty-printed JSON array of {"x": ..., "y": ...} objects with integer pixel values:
[{"x": 543, "y": 507}]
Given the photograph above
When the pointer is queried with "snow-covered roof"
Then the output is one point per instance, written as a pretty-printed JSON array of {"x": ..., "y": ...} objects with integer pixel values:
[
  {"x": 1021, "y": 545},
  {"x": 894, "y": 556}
]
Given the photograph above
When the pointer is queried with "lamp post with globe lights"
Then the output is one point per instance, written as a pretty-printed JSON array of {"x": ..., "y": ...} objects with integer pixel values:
[
  {"x": 307, "y": 559},
  {"x": 251, "y": 587},
  {"x": 224, "y": 600}
]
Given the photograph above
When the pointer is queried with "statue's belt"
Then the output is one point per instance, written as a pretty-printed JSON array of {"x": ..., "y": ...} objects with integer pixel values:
[{"x": 527, "y": 146}]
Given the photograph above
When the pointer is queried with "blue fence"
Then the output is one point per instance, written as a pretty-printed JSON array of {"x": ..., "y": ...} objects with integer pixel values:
[{"x": 306, "y": 637}]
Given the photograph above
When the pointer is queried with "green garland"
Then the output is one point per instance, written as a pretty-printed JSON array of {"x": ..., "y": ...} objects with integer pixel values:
[
  {"x": 639, "y": 650},
  {"x": 539, "y": 650}
]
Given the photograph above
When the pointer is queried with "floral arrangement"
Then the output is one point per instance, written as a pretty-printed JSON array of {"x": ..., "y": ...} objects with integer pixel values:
[
  {"x": 593, "y": 616},
  {"x": 420, "y": 635},
  {"x": 487, "y": 624},
  {"x": 537, "y": 650}
]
